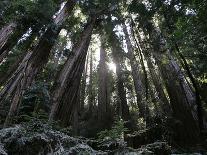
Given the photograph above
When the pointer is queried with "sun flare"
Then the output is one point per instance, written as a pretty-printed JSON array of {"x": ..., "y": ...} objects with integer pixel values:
[{"x": 112, "y": 66}]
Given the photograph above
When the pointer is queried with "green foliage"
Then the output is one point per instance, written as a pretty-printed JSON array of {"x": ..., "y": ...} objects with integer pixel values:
[
  {"x": 36, "y": 125},
  {"x": 116, "y": 132},
  {"x": 42, "y": 115},
  {"x": 27, "y": 12},
  {"x": 35, "y": 103},
  {"x": 4, "y": 67}
]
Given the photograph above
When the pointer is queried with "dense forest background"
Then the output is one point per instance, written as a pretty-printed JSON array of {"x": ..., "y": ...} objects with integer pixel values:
[{"x": 124, "y": 74}]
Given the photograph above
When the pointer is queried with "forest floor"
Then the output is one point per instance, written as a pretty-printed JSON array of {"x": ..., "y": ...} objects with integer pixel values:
[{"x": 37, "y": 138}]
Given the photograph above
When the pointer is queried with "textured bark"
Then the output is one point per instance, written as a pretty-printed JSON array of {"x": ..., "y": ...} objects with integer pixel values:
[
  {"x": 83, "y": 86},
  {"x": 10, "y": 36},
  {"x": 4, "y": 76},
  {"x": 103, "y": 104},
  {"x": 29, "y": 70},
  {"x": 181, "y": 97},
  {"x": 75, "y": 116},
  {"x": 123, "y": 108},
  {"x": 12, "y": 68},
  {"x": 195, "y": 86},
  {"x": 157, "y": 81},
  {"x": 157, "y": 108},
  {"x": 136, "y": 75},
  {"x": 13, "y": 32},
  {"x": 185, "y": 65},
  {"x": 14, "y": 84},
  {"x": 159, "y": 88},
  {"x": 33, "y": 63},
  {"x": 141, "y": 57},
  {"x": 65, "y": 91},
  {"x": 6, "y": 32},
  {"x": 90, "y": 87}
]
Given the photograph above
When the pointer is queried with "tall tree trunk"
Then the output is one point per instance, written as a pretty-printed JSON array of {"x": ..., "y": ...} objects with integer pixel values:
[
  {"x": 6, "y": 32},
  {"x": 12, "y": 33},
  {"x": 155, "y": 77},
  {"x": 189, "y": 74},
  {"x": 83, "y": 86},
  {"x": 195, "y": 86},
  {"x": 123, "y": 108},
  {"x": 9, "y": 37},
  {"x": 181, "y": 96},
  {"x": 12, "y": 68},
  {"x": 90, "y": 87},
  {"x": 75, "y": 116},
  {"x": 4, "y": 76},
  {"x": 65, "y": 91},
  {"x": 103, "y": 105},
  {"x": 34, "y": 62},
  {"x": 159, "y": 88},
  {"x": 139, "y": 89}
]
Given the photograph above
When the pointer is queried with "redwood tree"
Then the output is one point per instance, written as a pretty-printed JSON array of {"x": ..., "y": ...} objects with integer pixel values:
[
  {"x": 33, "y": 62},
  {"x": 66, "y": 87}
]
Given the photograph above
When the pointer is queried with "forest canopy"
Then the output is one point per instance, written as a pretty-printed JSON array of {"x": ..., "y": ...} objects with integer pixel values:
[{"x": 131, "y": 71}]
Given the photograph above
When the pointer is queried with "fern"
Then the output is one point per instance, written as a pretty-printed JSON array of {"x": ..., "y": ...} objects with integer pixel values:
[{"x": 116, "y": 132}]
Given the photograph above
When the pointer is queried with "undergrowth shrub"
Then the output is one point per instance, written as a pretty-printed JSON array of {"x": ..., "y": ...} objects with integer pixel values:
[{"x": 117, "y": 131}]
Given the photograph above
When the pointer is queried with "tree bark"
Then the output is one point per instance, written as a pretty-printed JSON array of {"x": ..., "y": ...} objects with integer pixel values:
[
  {"x": 9, "y": 37},
  {"x": 103, "y": 104},
  {"x": 139, "y": 89},
  {"x": 90, "y": 87},
  {"x": 195, "y": 86},
  {"x": 4, "y": 76},
  {"x": 159, "y": 88},
  {"x": 6, "y": 32},
  {"x": 35, "y": 61},
  {"x": 185, "y": 65},
  {"x": 83, "y": 86},
  {"x": 12, "y": 68},
  {"x": 123, "y": 108},
  {"x": 75, "y": 116},
  {"x": 165, "y": 106},
  {"x": 65, "y": 91},
  {"x": 181, "y": 96}
]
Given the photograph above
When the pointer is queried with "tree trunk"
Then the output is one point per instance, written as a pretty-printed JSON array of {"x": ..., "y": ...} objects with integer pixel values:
[
  {"x": 12, "y": 68},
  {"x": 195, "y": 86},
  {"x": 185, "y": 65},
  {"x": 157, "y": 81},
  {"x": 65, "y": 91},
  {"x": 159, "y": 88},
  {"x": 123, "y": 108},
  {"x": 90, "y": 87},
  {"x": 103, "y": 105},
  {"x": 83, "y": 87},
  {"x": 10, "y": 36},
  {"x": 75, "y": 116},
  {"x": 181, "y": 97},
  {"x": 4, "y": 76},
  {"x": 6, "y": 32},
  {"x": 34, "y": 62},
  {"x": 139, "y": 89}
]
